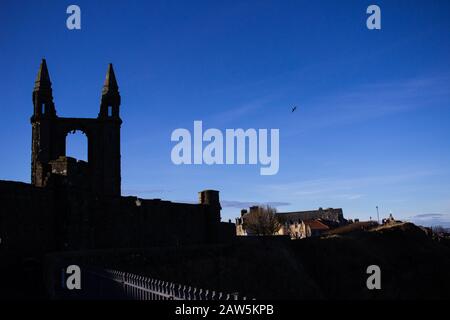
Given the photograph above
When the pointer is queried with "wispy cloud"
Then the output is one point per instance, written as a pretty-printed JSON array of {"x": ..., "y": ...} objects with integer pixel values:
[
  {"x": 431, "y": 219},
  {"x": 243, "y": 204},
  {"x": 247, "y": 204},
  {"x": 429, "y": 215},
  {"x": 342, "y": 188},
  {"x": 143, "y": 192},
  {"x": 238, "y": 112}
]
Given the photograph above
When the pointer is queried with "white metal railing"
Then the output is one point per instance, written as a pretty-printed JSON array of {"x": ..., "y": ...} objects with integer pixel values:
[{"x": 144, "y": 288}]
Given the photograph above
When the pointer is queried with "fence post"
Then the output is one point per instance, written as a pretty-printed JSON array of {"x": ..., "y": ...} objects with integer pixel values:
[
  {"x": 147, "y": 287},
  {"x": 164, "y": 289},
  {"x": 141, "y": 285},
  {"x": 151, "y": 285},
  {"x": 167, "y": 288},
  {"x": 158, "y": 288},
  {"x": 171, "y": 290},
  {"x": 180, "y": 292},
  {"x": 183, "y": 293}
]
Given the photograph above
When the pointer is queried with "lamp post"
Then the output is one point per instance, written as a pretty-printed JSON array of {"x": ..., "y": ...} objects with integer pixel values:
[{"x": 378, "y": 216}]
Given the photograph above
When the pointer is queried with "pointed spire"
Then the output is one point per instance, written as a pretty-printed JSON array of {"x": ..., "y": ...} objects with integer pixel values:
[
  {"x": 43, "y": 78},
  {"x": 110, "y": 102},
  {"x": 110, "y": 84},
  {"x": 42, "y": 93}
]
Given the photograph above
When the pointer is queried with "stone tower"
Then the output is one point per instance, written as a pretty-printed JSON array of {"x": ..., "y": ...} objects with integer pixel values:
[
  {"x": 210, "y": 199},
  {"x": 102, "y": 171}
]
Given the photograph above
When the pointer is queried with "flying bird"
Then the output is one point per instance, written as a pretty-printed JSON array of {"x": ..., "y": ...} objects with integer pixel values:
[{"x": 294, "y": 108}]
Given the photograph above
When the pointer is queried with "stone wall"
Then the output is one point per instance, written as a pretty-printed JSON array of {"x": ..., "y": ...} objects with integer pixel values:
[
  {"x": 26, "y": 218},
  {"x": 34, "y": 220}
]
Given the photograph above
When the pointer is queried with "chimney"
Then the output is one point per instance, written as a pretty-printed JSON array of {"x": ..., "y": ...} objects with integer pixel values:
[
  {"x": 254, "y": 209},
  {"x": 209, "y": 197}
]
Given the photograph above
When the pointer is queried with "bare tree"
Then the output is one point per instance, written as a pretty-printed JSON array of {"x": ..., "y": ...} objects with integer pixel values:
[
  {"x": 438, "y": 229},
  {"x": 262, "y": 221}
]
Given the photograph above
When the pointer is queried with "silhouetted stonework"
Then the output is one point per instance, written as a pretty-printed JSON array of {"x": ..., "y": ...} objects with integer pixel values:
[
  {"x": 62, "y": 217},
  {"x": 73, "y": 205},
  {"x": 103, "y": 133}
]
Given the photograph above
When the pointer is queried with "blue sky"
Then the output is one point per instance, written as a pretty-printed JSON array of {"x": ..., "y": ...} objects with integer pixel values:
[{"x": 372, "y": 125}]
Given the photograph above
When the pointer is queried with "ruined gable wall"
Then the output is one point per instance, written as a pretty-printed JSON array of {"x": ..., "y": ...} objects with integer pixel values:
[{"x": 34, "y": 219}]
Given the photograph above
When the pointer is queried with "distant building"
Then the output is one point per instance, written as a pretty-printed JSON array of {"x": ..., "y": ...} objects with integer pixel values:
[
  {"x": 390, "y": 220},
  {"x": 316, "y": 227},
  {"x": 299, "y": 224}
]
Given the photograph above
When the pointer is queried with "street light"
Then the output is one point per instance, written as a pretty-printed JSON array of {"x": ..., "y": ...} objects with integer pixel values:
[{"x": 378, "y": 216}]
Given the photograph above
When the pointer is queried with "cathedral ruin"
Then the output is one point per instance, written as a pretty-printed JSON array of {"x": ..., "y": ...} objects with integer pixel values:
[{"x": 77, "y": 205}]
